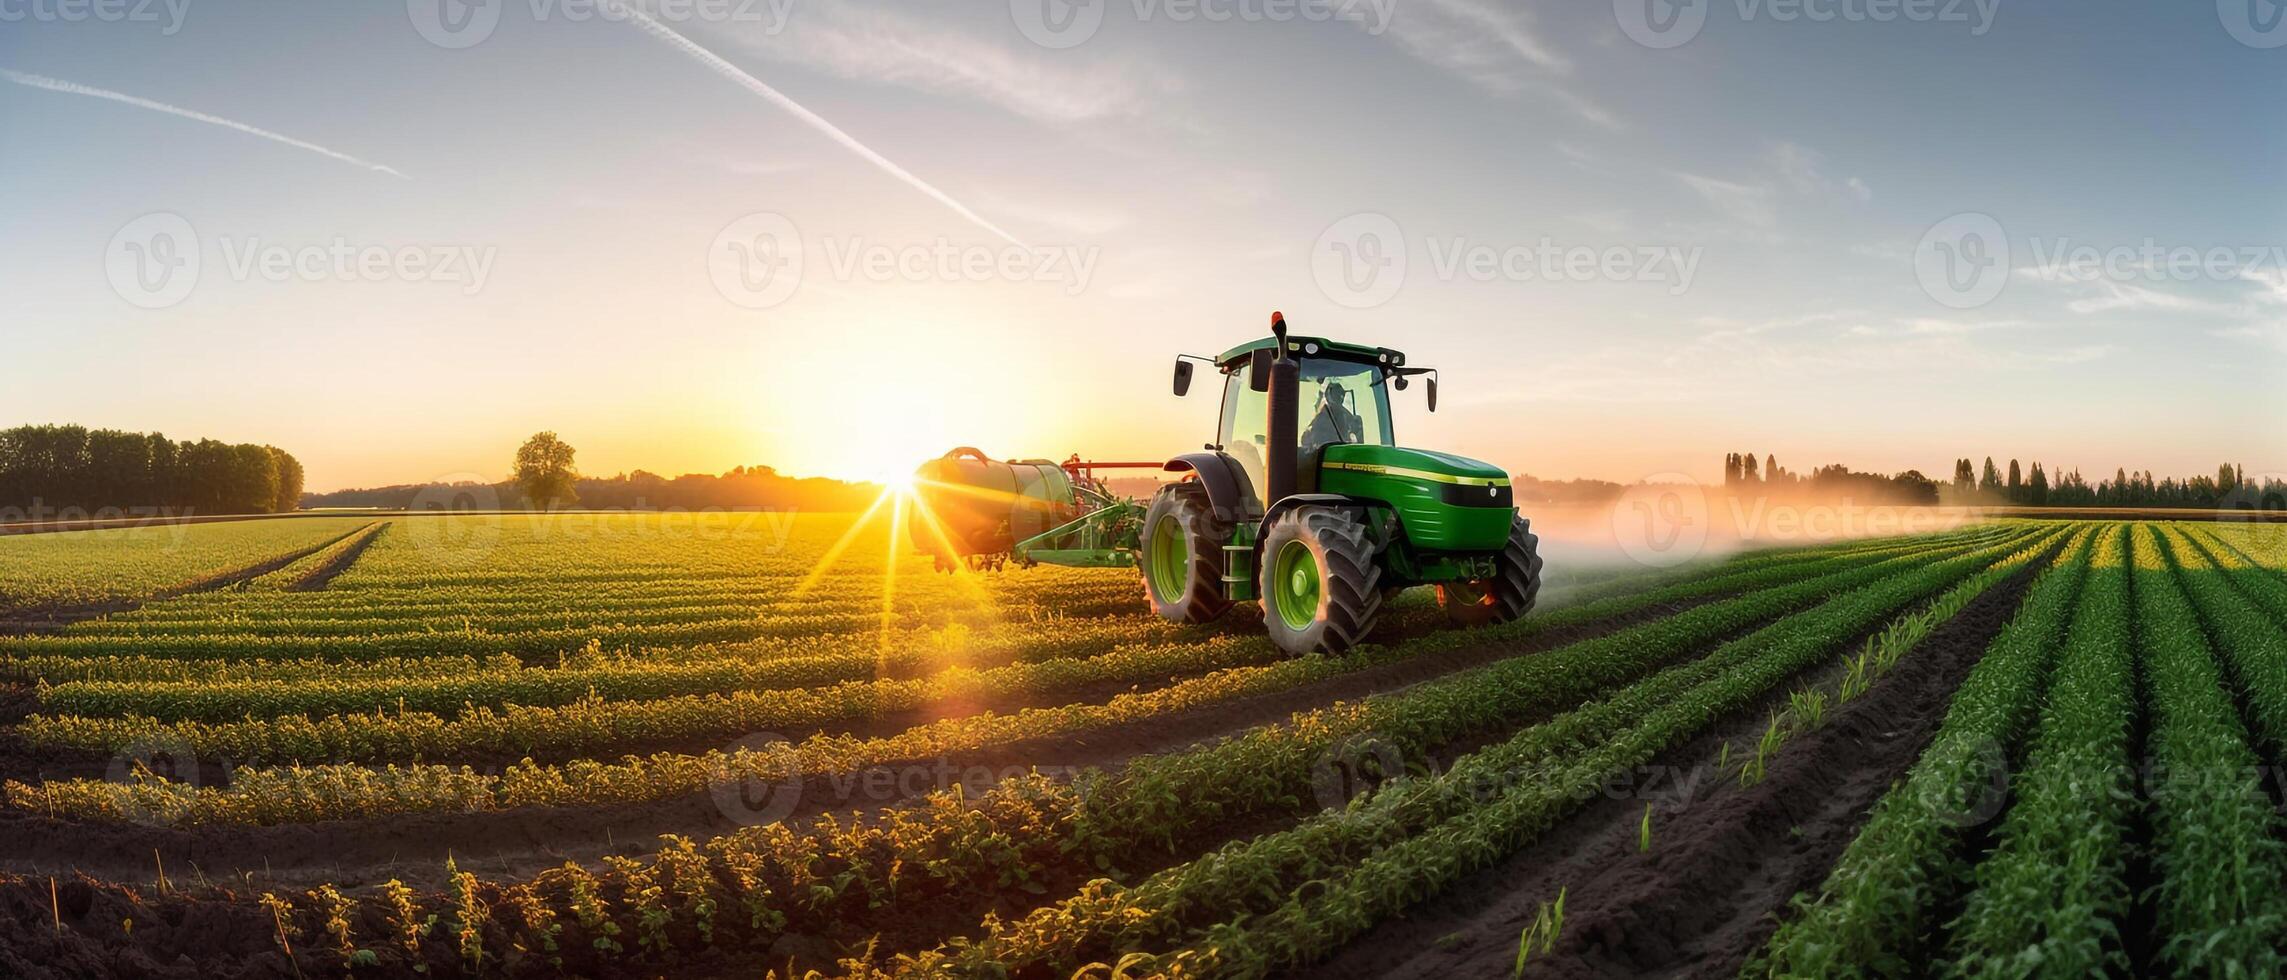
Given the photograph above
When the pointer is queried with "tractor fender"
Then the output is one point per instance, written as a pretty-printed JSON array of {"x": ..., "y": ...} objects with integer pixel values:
[
  {"x": 1298, "y": 500},
  {"x": 1228, "y": 489}
]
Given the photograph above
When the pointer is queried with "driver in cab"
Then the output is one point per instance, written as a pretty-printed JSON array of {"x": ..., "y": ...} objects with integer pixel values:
[{"x": 1333, "y": 423}]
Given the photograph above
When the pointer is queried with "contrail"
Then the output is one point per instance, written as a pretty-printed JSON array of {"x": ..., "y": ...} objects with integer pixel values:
[
  {"x": 758, "y": 87},
  {"x": 75, "y": 88}
]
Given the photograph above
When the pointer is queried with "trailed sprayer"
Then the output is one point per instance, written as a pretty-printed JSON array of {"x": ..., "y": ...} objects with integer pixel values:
[{"x": 1304, "y": 502}]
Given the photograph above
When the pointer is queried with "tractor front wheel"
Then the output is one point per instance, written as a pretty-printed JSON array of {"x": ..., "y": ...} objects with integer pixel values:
[
  {"x": 1320, "y": 587},
  {"x": 1508, "y": 595},
  {"x": 1183, "y": 555}
]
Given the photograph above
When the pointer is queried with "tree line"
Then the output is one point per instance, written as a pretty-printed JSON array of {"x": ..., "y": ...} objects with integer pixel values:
[
  {"x": 2018, "y": 485},
  {"x": 61, "y": 471},
  {"x": 546, "y": 476},
  {"x": 2229, "y": 487},
  {"x": 1742, "y": 471}
]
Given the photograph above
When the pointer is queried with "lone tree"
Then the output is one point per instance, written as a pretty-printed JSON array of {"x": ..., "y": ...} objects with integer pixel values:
[{"x": 544, "y": 471}]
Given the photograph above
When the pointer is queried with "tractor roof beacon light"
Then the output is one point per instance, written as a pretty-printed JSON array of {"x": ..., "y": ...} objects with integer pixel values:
[{"x": 1279, "y": 456}]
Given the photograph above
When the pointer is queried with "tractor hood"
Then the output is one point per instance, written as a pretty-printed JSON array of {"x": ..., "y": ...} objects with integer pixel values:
[
  {"x": 1416, "y": 464},
  {"x": 1446, "y": 503}
]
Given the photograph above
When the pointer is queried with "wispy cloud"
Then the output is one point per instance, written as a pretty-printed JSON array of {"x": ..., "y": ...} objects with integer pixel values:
[
  {"x": 812, "y": 119},
  {"x": 1496, "y": 46},
  {"x": 1804, "y": 170},
  {"x": 75, "y": 88},
  {"x": 1746, "y": 204},
  {"x": 862, "y": 42}
]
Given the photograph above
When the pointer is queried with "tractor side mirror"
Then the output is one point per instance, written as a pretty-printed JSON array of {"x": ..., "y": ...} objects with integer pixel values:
[
  {"x": 1432, "y": 393},
  {"x": 1182, "y": 377},
  {"x": 1259, "y": 371}
]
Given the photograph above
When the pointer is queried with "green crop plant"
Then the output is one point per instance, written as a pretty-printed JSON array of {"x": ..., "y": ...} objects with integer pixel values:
[{"x": 1546, "y": 928}]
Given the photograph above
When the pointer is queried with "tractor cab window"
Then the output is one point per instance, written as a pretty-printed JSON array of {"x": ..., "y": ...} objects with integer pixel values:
[
  {"x": 1245, "y": 430},
  {"x": 1342, "y": 402}
]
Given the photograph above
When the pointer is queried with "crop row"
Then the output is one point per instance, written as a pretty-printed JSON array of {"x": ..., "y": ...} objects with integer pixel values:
[
  {"x": 320, "y": 792},
  {"x": 2053, "y": 895},
  {"x": 592, "y": 723},
  {"x": 356, "y": 612},
  {"x": 1908, "y": 862},
  {"x": 508, "y": 681},
  {"x": 1275, "y": 901}
]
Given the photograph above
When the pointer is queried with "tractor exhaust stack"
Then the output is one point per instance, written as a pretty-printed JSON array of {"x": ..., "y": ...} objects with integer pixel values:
[{"x": 1279, "y": 457}]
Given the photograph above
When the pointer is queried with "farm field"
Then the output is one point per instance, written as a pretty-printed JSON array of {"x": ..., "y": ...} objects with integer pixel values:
[{"x": 729, "y": 744}]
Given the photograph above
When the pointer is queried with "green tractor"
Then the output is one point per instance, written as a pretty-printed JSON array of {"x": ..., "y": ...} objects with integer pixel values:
[
  {"x": 1319, "y": 517},
  {"x": 1322, "y": 516}
]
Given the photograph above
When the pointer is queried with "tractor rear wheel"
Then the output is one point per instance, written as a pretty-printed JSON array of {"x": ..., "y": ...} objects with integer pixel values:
[
  {"x": 1509, "y": 594},
  {"x": 1321, "y": 589},
  {"x": 1182, "y": 556}
]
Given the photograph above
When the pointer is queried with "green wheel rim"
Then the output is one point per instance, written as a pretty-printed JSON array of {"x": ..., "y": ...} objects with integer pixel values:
[
  {"x": 1294, "y": 586},
  {"x": 1170, "y": 557}
]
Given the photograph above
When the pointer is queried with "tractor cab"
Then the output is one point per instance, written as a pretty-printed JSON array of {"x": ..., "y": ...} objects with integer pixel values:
[{"x": 1342, "y": 398}]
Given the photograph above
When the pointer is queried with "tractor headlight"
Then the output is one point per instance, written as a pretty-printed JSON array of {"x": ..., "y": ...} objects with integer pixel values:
[{"x": 1310, "y": 348}]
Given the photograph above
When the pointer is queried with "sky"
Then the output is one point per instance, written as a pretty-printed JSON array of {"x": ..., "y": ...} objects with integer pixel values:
[{"x": 835, "y": 238}]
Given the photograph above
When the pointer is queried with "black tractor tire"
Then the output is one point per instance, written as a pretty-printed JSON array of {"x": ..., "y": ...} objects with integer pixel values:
[
  {"x": 1192, "y": 590},
  {"x": 1507, "y": 596},
  {"x": 1336, "y": 548}
]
